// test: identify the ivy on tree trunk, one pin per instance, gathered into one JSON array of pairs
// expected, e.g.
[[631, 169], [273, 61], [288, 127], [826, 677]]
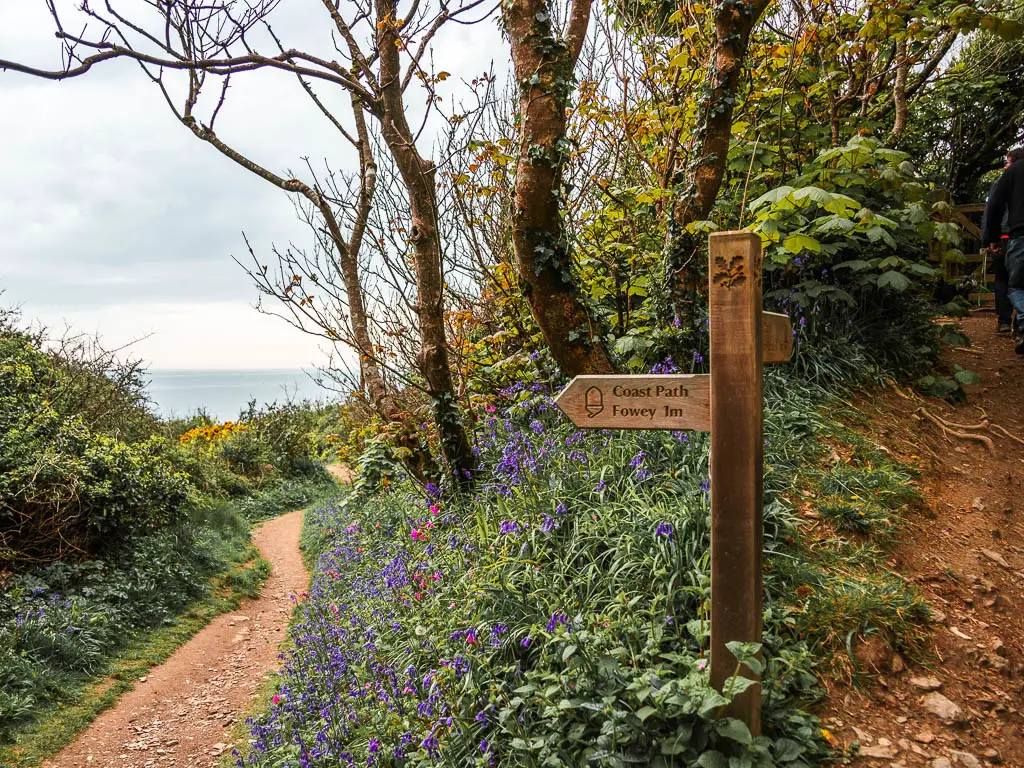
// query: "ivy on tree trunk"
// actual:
[[702, 179], [544, 63]]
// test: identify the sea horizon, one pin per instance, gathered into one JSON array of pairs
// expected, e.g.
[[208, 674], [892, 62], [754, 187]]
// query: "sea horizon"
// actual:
[[224, 393]]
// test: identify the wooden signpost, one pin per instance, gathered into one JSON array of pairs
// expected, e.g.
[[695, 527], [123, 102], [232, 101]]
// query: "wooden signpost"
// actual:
[[728, 402], [639, 402]]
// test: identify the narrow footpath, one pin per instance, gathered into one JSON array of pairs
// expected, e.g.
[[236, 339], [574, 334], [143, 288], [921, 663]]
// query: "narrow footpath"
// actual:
[[182, 712], [961, 703]]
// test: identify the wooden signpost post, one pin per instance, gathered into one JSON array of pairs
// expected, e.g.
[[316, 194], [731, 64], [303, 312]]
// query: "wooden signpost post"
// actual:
[[728, 403]]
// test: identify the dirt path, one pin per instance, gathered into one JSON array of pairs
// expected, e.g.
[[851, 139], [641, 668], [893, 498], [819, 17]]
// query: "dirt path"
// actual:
[[965, 552], [181, 713], [341, 473]]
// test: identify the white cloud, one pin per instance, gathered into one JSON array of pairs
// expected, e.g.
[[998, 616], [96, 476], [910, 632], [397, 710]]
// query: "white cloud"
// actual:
[[114, 218], [207, 335]]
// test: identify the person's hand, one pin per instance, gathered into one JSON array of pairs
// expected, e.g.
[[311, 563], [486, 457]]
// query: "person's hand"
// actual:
[[995, 249]]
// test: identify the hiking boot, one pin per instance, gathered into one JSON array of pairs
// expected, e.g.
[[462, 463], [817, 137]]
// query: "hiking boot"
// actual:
[[1019, 348], [1003, 327]]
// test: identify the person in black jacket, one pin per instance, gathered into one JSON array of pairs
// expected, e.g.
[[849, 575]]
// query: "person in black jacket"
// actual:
[[1004, 211], [1004, 309]]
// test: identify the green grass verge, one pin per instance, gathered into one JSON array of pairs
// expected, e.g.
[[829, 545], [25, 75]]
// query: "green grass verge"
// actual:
[[842, 591], [58, 725]]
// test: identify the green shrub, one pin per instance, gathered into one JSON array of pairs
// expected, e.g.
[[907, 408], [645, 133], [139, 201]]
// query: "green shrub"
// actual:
[[289, 434], [60, 623], [286, 495], [66, 488]]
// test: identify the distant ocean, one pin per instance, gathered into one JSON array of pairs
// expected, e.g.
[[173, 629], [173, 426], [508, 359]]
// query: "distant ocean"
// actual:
[[225, 394]]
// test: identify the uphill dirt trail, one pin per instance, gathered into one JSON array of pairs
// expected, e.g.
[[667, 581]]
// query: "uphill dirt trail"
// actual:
[[962, 704], [182, 712]]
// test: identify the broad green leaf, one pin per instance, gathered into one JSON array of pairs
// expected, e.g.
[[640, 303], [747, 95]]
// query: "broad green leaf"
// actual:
[[680, 60], [921, 269], [798, 243], [1010, 29], [737, 684], [644, 712], [897, 281], [833, 224], [857, 265], [713, 701], [712, 759], [817, 194], [841, 204], [787, 750], [734, 729], [627, 345], [965, 376], [772, 196], [876, 234], [677, 743]]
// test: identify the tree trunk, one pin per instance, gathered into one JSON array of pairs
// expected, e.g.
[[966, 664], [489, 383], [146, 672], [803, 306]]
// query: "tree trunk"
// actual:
[[544, 69], [899, 91], [418, 177], [418, 461], [417, 458], [684, 273], [733, 25]]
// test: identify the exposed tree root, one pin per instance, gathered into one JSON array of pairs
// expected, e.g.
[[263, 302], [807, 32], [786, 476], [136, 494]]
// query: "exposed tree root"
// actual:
[[983, 424], [900, 392], [948, 430], [1005, 432], [995, 429]]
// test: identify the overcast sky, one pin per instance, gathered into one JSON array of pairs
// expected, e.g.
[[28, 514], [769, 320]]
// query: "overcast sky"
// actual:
[[115, 219]]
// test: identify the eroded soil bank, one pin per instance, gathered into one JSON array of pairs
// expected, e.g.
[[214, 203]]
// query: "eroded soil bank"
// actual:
[[965, 552]]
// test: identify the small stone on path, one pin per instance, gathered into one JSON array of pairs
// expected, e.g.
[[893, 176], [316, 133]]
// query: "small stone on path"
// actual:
[[995, 557], [942, 707], [883, 753], [863, 736], [926, 683], [966, 760]]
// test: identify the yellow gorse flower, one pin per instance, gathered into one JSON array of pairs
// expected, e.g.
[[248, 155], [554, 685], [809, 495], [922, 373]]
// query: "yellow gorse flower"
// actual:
[[212, 433]]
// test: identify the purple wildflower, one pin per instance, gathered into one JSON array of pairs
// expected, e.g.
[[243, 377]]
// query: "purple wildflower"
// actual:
[[557, 618]]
